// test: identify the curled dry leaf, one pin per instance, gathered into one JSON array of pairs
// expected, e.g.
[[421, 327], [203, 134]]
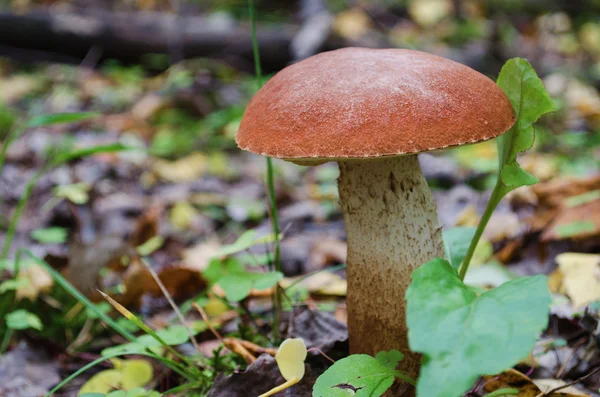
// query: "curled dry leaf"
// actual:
[[526, 386]]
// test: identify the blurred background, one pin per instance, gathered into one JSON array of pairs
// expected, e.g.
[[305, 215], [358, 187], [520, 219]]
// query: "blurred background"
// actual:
[[172, 79]]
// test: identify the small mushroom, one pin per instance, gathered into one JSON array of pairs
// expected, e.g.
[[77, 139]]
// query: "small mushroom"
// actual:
[[373, 111]]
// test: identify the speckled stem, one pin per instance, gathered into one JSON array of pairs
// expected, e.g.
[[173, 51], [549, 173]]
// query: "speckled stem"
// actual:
[[392, 228]]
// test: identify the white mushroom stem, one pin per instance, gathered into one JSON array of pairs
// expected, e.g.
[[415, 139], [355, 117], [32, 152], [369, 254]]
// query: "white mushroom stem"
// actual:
[[392, 228]]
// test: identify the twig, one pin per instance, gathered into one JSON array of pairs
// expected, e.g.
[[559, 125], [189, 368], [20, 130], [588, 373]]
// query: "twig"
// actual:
[[172, 303], [564, 364], [549, 393], [205, 319], [232, 344], [256, 348]]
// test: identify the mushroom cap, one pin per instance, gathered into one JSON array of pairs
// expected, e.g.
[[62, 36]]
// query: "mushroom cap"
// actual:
[[357, 103]]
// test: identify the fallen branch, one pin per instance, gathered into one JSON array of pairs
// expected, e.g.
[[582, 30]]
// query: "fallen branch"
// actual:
[[128, 36]]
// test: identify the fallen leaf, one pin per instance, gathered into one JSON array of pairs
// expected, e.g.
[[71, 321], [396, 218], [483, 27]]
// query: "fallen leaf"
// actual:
[[182, 215], [527, 387], [290, 358], [323, 283], [127, 374], [199, 256], [352, 24], [149, 105], [36, 279], [429, 12], [318, 329], [186, 169], [262, 375], [581, 277]]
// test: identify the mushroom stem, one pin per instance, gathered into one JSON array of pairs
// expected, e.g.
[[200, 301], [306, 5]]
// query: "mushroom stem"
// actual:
[[392, 228]]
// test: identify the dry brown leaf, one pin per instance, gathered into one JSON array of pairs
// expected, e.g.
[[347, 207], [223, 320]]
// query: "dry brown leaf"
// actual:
[[554, 214], [552, 194], [581, 277], [126, 123], [323, 283], [38, 280], [582, 221], [198, 256], [146, 226], [181, 282], [149, 105], [546, 385], [327, 251], [527, 387]]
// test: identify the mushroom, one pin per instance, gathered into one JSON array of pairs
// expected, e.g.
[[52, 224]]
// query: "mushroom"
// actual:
[[373, 111]]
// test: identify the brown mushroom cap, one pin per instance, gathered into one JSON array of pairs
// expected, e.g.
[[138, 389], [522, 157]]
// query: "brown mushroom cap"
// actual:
[[359, 102]]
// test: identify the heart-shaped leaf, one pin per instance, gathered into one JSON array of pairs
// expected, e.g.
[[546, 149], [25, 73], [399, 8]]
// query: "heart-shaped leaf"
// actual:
[[290, 358], [359, 375], [463, 335]]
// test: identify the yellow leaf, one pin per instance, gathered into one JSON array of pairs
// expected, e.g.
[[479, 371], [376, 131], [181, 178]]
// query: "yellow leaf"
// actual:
[[103, 382], [120, 308], [352, 23], [429, 12], [581, 277], [290, 358], [135, 373], [182, 215], [38, 281], [185, 169], [127, 375]]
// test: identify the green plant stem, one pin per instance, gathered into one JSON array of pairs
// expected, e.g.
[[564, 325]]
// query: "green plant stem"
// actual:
[[14, 220], [14, 133], [503, 392], [270, 179], [485, 218], [6, 340]]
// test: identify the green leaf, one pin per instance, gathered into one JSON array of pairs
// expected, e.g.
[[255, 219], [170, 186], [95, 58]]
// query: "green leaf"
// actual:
[[530, 100], [456, 243], [22, 319], [77, 193], [60, 118], [172, 336], [390, 359], [13, 284], [358, 375], [463, 335], [233, 278], [576, 228], [151, 245], [89, 151], [51, 235], [583, 198], [245, 241], [237, 285]]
